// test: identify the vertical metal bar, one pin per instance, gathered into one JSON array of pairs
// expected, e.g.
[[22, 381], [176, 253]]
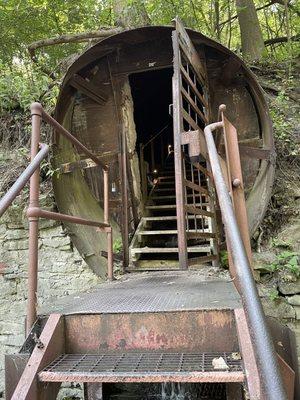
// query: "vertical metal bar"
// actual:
[[110, 265], [106, 221], [152, 156], [143, 173], [162, 158], [36, 114], [106, 196], [125, 204], [236, 183], [177, 126]]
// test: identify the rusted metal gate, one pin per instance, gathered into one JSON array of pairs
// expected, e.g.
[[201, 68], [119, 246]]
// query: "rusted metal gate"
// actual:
[[192, 175]]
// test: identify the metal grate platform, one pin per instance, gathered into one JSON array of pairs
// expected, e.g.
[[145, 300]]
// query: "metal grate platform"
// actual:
[[158, 292], [144, 367]]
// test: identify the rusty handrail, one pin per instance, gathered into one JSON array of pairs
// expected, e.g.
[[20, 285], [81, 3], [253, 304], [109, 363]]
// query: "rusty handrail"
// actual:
[[37, 109], [268, 367], [38, 153], [16, 188], [34, 212], [155, 136]]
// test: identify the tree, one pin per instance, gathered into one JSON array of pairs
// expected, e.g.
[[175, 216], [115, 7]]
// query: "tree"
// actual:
[[253, 46]]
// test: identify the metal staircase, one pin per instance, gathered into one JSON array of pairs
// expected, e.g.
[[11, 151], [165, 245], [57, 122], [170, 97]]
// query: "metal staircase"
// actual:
[[155, 244]]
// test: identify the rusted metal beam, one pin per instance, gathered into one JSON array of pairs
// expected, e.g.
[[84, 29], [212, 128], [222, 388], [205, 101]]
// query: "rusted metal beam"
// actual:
[[236, 181], [53, 344], [247, 351], [195, 187], [36, 212], [288, 376], [64, 132], [88, 89], [14, 367]]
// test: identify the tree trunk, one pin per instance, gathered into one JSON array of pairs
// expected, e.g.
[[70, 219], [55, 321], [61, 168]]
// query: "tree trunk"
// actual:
[[253, 46], [130, 15]]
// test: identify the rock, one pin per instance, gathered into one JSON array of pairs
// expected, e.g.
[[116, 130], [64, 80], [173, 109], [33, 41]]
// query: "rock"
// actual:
[[289, 287], [297, 309], [57, 242], [267, 290], [291, 234], [294, 300], [278, 308], [16, 245], [16, 234], [261, 261]]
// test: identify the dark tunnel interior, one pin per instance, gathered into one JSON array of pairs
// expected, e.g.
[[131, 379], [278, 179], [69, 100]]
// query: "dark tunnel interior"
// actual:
[[152, 96]]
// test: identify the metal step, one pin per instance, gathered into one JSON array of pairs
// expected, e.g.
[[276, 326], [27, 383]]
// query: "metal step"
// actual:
[[169, 218], [169, 206], [144, 367], [157, 250], [174, 197], [205, 235]]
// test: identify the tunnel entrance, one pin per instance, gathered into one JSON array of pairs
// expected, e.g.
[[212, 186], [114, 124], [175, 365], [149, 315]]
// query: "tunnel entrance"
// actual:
[[155, 242], [152, 96]]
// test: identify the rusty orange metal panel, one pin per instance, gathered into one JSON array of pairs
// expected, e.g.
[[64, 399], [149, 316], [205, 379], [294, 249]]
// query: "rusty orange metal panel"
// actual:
[[212, 330]]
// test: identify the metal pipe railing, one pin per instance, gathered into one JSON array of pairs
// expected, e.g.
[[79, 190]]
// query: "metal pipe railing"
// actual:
[[268, 367], [34, 212], [16, 188]]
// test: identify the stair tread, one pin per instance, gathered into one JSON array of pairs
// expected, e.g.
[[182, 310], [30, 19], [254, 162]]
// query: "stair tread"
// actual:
[[170, 206], [169, 218], [174, 197], [191, 249], [138, 366], [167, 232]]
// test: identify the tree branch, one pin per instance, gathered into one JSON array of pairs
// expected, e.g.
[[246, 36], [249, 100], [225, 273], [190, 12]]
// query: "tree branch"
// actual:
[[282, 39], [76, 38]]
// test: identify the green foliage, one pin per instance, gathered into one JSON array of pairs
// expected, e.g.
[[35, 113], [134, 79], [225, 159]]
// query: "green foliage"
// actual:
[[273, 295], [23, 22], [117, 245], [286, 261], [224, 259], [22, 84]]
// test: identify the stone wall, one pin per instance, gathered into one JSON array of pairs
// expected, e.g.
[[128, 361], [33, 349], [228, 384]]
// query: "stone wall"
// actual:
[[61, 272]]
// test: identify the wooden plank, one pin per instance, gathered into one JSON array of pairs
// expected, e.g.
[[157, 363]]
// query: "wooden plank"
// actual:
[[53, 342], [195, 187], [198, 211]]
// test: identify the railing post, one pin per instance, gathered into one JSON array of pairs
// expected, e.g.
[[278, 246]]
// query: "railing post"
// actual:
[[110, 272], [36, 114], [235, 178]]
